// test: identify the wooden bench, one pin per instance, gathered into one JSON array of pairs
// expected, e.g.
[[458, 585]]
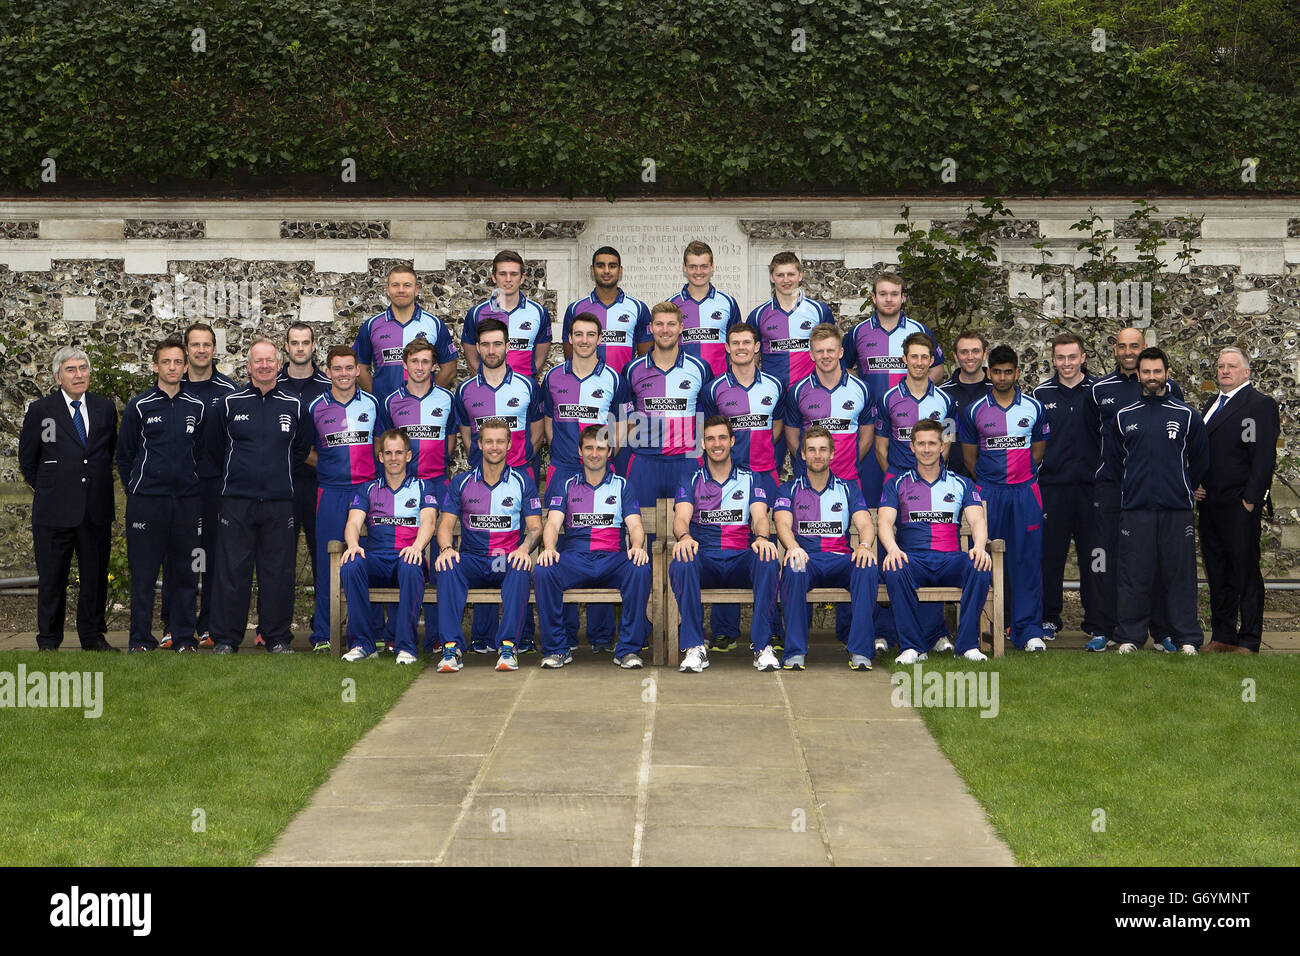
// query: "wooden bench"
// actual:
[[992, 614], [657, 521]]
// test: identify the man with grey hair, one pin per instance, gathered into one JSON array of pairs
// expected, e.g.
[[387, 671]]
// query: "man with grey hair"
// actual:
[[65, 451], [1242, 426], [259, 433]]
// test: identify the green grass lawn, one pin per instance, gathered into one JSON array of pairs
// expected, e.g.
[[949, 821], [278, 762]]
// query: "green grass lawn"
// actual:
[[1187, 773], [244, 739]]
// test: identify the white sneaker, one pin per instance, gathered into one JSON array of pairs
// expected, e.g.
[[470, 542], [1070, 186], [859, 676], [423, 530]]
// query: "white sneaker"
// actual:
[[882, 644], [766, 660], [406, 657], [975, 654], [697, 658], [357, 654], [1035, 644], [942, 644], [910, 656], [1187, 649], [1127, 648]]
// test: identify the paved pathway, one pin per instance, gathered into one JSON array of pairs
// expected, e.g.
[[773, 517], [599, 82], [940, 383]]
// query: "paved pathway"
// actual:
[[593, 765]]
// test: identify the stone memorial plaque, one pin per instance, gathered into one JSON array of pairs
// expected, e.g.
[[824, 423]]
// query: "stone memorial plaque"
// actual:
[[652, 253]]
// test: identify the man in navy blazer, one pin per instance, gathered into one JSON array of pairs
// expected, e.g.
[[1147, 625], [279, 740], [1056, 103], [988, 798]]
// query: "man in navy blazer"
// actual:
[[65, 451], [1242, 426]]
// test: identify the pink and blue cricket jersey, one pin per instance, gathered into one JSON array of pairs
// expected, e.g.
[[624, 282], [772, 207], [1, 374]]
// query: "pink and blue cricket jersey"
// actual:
[[705, 324], [785, 336], [344, 435], [491, 516], [515, 401], [624, 325], [594, 516], [879, 354], [821, 519], [929, 515], [1005, 436], [751, 412], [720, 521], [382, 338], [572, 403], [394, 513], [898, 411], [841, 410], [529, 325], [430, 423], [665, 404]]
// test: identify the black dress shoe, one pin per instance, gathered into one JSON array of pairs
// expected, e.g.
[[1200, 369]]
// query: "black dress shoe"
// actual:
[[101, 645], [224, 649]]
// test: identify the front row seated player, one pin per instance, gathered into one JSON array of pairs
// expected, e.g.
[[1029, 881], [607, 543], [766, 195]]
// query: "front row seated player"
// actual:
[[813, 516], [500, 521], [593, 507], [920, 517], [400, 510], [712, 521]]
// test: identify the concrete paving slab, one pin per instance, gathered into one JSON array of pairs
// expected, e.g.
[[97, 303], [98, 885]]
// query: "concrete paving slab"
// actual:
[[535, 852], [585, 729], [725, 796], [732, 846], [532, 817], [420, 736], [924, 856], [856, 818], [371, 781], [375, 835], [715, 737], [562, 768], [720, 685]]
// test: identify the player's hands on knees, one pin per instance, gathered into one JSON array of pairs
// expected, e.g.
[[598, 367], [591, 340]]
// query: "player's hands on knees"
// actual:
[[863, 556], [764, 548], [980, 558], [548, 557], [638, 556], [520, 560], [796, 558], [685, 549], [350, 553], [894, 560], [411, 554], [446, 559]]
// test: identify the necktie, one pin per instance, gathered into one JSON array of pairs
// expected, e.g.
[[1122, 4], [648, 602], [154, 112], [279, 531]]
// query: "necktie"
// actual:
[[77, 420], [1214, 411]]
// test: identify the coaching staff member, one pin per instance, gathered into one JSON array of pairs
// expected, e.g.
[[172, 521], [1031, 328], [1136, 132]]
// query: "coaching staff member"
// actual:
[[65, 451], [1156, 449], [1242, 427], [161, 429], [259, 434]]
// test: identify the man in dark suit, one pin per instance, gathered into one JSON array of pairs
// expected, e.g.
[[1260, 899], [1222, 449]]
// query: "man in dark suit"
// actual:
[[1242, 426], [66, 452]]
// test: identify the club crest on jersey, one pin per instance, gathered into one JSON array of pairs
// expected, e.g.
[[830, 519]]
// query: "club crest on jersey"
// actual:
[[286, 422], [849, 405], [512, 403], [525, 325], [409, 503], [1171, 429], [805, 325], [363, 417], [507, 502], [598, 393], [767, 400], [716, 315], [738, 494], [838, 506], [1023, 423], [950, 497], [684, 384], [611, 500]]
